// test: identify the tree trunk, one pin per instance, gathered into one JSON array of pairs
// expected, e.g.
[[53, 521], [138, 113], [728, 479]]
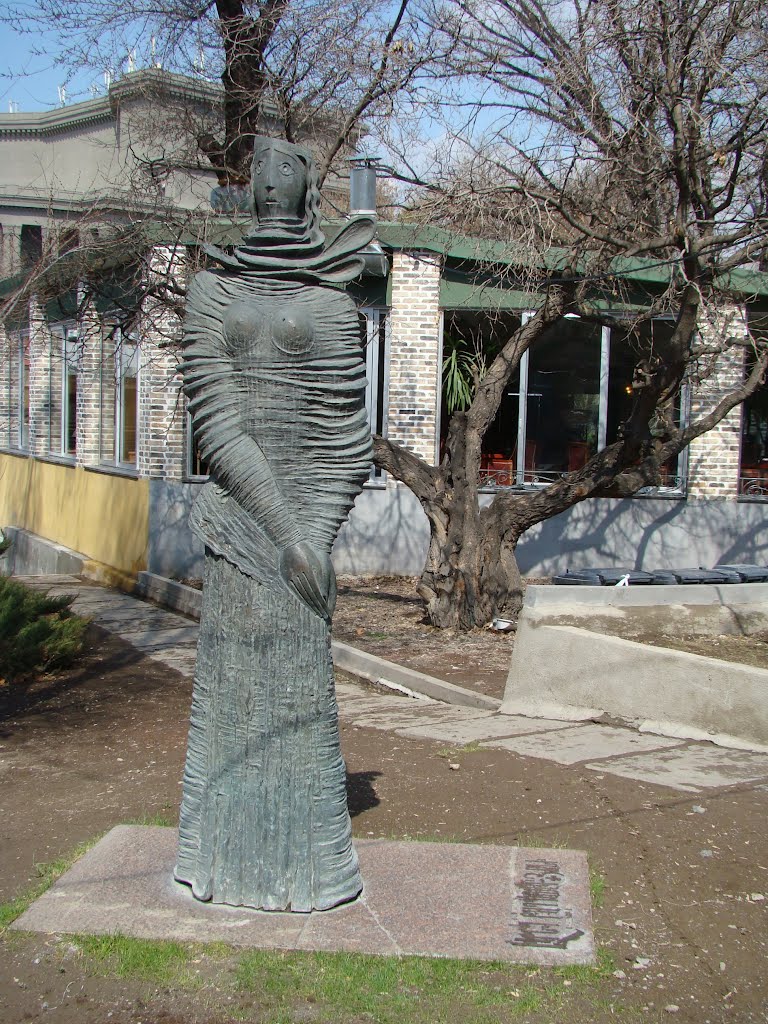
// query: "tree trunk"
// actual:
[[468, 585], [471, 574]]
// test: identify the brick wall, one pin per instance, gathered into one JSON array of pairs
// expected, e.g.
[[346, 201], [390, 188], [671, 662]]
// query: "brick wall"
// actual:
[[88, 401], [19, 345], [161, 403], [161, 412], [714, 458], [5, 388], [415, 353], [39, 381]]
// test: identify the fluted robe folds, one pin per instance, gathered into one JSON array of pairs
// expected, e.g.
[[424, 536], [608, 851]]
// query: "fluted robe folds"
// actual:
[[276, 379]]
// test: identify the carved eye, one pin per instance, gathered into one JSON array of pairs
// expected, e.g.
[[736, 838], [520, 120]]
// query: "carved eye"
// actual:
[[286, 169], [259, 166]]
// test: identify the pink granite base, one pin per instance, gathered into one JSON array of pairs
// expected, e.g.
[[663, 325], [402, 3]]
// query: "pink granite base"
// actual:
[[422, 899]]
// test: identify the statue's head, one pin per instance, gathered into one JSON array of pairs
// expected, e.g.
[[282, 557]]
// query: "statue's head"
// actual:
[[281, 182], [285, 206]]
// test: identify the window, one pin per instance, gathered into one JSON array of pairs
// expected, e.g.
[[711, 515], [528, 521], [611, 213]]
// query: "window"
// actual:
[[195, 467], [562, 399], [127, 401], [22, 389], [753, 473], [69, 239], [119, 399], [61, 404], [69, 364], [31, 244], [627, 350], [375, 338], [568, 398]]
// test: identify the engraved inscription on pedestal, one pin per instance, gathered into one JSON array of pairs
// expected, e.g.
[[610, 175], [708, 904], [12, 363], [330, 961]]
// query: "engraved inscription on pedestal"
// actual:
[[544, 917]]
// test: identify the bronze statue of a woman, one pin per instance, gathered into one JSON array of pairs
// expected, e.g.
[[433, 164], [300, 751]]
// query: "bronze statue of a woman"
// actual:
[[274, 371]]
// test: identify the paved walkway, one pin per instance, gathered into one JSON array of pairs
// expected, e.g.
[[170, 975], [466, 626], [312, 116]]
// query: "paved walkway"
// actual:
[[610, 750]]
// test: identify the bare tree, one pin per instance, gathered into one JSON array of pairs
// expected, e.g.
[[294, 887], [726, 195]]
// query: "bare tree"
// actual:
[[610, 135], [317, 71], [216, 74], [587, 135]]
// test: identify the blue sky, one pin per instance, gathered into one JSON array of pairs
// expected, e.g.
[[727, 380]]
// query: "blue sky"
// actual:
[[33, 81]]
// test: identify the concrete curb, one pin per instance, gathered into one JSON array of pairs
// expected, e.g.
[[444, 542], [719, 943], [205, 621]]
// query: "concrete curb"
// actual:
[[377, 670], [345, 657], [30, 555], [169, 593]]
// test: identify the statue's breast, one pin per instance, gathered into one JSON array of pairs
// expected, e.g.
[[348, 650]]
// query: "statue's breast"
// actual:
[[259, 331]]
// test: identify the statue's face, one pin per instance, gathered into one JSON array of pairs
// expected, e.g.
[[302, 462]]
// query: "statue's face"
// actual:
[[279, 182]]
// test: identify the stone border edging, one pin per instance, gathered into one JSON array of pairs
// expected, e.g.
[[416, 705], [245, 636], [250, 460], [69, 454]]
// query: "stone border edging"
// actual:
[[345, 657], [377, 670]]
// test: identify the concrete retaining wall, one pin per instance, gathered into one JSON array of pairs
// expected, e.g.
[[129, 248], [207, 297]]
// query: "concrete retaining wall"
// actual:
[[563, 666], [387, 533], [30, 555]]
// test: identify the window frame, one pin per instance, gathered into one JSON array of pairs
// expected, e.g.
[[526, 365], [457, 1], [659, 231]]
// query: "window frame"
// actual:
[[526, 479], [377, 343], [70, 347], [23, 406]]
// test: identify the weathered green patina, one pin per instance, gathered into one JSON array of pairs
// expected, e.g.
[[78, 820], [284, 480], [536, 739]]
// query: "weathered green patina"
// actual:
[[274, 371]]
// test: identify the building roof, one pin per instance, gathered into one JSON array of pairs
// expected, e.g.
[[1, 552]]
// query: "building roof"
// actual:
[[134, 85], [477, 274]]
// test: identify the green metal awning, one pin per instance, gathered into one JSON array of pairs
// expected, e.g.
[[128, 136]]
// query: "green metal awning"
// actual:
[[457, 294]]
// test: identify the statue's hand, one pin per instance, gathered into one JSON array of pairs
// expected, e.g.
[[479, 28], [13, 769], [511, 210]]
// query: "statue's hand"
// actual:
[[310, 577]]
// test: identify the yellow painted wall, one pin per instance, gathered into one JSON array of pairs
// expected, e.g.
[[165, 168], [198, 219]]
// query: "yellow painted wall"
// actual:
[[102, 516]]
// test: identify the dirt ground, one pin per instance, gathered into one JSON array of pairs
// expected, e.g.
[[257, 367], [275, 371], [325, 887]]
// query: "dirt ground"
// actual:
[[384, 616], [684, 911]]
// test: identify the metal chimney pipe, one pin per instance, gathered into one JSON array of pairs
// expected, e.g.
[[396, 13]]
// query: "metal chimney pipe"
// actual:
[[362, 189], [362, 203]]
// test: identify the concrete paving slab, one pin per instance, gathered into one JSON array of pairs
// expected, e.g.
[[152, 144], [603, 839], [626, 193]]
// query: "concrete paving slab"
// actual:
[[364, 705], [426, 899], [690, 768], [351, 690], [156, 639], [475, 730], [52, 580], [92, 606], [582, 743], [180, 659], [410, 718], [138, 620], [95, 597]]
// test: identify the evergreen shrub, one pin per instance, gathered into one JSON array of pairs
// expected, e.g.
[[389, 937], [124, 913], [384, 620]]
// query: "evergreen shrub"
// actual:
[[38, 633]]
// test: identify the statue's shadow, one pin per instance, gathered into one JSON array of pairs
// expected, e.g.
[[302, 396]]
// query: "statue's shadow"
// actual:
[[361, 794]]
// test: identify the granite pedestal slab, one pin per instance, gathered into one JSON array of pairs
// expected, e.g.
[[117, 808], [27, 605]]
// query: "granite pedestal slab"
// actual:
[[422, 899]]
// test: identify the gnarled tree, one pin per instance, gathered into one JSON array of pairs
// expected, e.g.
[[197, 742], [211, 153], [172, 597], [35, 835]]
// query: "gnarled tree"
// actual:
[[609, 135]]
